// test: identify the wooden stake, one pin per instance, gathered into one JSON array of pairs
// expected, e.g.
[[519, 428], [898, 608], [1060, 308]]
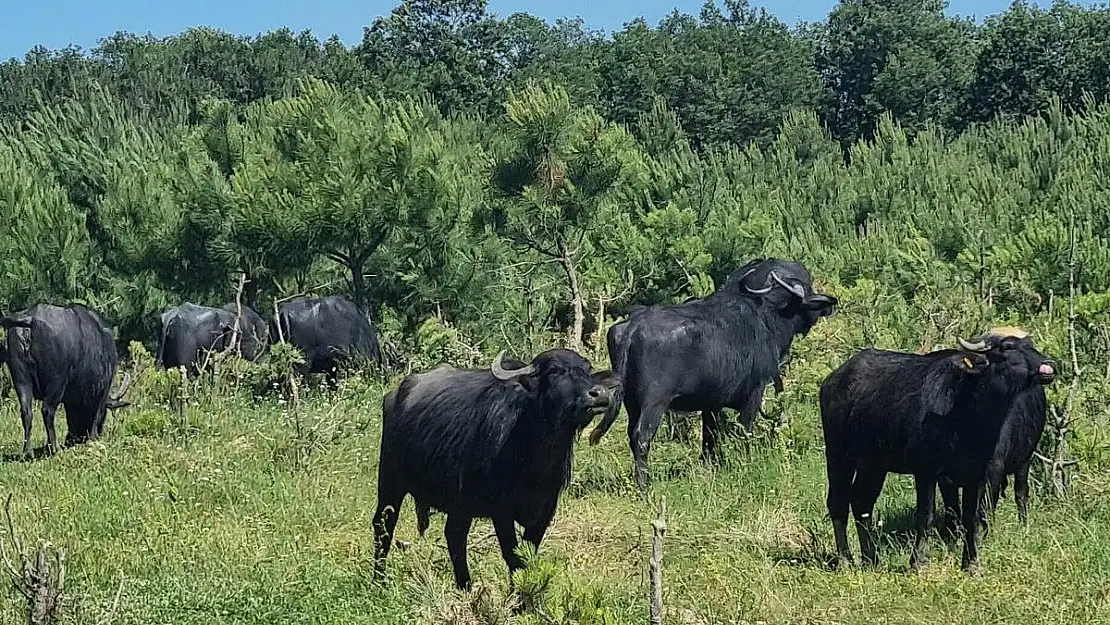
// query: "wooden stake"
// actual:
[[658, 530]]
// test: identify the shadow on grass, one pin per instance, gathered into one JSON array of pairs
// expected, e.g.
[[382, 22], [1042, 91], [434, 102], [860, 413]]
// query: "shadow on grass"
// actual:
[[894, 538], [38, 453]]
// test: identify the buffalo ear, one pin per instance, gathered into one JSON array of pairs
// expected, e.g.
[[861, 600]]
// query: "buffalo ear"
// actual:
[[823, 305], [941, 383], [529, 383]]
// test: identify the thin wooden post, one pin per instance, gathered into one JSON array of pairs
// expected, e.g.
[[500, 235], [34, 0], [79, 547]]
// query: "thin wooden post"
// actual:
[[658, 530]]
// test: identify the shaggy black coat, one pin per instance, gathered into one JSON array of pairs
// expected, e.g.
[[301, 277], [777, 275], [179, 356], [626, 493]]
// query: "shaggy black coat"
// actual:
[[473, 446], [920, 414], [190, 332], [62, 356], [328, 330], [709, 354]]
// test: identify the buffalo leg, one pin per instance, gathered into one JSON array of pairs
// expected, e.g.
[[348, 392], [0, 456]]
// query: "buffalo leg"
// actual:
[[535, 531], [750, 409], [865, 492], [838, 501], [385, 520], [926, 486], [423, 519], [973, 496], [27, 415], [48, 411], [78, 426], [98, 423], [950, 495], [996, 473], [455, 531], [646, 427], [506, 538], [1021, 492], [710, 434]]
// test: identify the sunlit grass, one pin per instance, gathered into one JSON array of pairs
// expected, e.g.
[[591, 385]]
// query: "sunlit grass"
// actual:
[[221, 526]]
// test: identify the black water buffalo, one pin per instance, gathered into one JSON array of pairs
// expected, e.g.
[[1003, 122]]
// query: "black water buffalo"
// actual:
[[491, 443], [190, 332], [1013, 454], [925, 415], [709, 354], [604, 378], [328, 330], [67, 356], [254, 332]]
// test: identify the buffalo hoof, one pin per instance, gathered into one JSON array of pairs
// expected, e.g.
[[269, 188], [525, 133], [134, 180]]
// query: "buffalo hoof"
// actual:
[[973, 569], [842, 562]]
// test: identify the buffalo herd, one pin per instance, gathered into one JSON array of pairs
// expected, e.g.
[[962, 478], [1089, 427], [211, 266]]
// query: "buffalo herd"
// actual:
[[497, 442]]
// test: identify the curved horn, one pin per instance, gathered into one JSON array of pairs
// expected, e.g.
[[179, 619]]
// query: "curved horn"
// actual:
[[123, 386], [757, 291], [748, 272], [501, 373], [796, 289], [981, 346]]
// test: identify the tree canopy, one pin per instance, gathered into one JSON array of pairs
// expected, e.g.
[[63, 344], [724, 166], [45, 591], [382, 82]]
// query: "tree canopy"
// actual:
[[509, 176]]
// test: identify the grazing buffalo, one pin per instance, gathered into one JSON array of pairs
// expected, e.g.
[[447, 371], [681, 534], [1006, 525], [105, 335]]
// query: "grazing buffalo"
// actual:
[[709, 354], [254, 332], [926, 415], [67, 356], [1013, 454], [328, 330], [191, 332], [491, 443]]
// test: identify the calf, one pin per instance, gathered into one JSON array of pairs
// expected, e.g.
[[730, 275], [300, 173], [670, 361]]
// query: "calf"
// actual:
[[1013, 454], [67, 356], [491, 443], [925, 415]]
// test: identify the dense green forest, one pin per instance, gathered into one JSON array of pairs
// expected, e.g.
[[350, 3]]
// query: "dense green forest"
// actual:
[[479, 182], [508, 173]]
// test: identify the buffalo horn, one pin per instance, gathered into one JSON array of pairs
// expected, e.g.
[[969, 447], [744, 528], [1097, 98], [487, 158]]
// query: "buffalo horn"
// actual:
[[747, 273], [796, 289], [123, 386], [501, 373], [981, 346]]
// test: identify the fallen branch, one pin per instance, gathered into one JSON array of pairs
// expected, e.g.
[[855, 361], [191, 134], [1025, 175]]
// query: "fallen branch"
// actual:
[[41, 583]]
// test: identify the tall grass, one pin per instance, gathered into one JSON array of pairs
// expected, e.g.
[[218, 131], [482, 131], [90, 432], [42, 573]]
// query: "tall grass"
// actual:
[[217, 524]]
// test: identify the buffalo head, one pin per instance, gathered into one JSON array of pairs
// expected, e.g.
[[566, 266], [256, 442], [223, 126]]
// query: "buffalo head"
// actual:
[[786, 285], [561, 381], [1004, 359], [1010, 354]]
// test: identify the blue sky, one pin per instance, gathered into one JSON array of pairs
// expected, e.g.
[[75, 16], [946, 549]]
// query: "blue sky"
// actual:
[[57, 23]]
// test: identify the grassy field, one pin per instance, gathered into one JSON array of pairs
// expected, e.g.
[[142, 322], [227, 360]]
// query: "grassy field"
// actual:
[[233, 517]]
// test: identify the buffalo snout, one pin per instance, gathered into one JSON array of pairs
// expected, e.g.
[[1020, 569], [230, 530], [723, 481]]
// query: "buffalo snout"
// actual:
[[1046, 373], [601, 393]]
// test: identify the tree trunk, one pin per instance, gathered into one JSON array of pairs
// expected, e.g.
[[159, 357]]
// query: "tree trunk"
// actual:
[[358, 282], [577, 299]]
